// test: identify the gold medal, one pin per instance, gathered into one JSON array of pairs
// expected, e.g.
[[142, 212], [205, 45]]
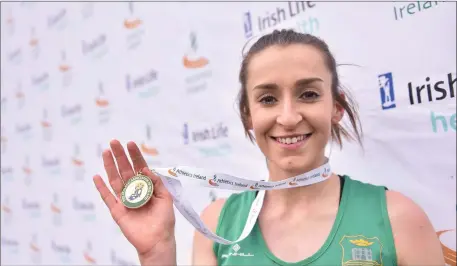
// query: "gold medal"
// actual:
[[137, 191]]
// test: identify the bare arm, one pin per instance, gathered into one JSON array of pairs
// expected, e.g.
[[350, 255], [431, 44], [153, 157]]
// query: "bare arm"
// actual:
[[203, 253], [415, 238]]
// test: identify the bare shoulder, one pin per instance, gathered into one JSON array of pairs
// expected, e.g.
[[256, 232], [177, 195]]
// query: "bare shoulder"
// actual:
[[203, 253], [210, 215], [415, 238]]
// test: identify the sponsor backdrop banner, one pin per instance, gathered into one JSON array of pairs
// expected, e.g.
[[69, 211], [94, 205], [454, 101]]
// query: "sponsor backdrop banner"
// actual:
[[76, 75]]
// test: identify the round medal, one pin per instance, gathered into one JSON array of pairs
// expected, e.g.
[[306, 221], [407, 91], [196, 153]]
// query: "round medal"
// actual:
[[137, 191]]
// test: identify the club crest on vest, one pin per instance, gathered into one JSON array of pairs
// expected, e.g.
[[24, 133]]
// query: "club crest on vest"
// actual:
[[361, 251]]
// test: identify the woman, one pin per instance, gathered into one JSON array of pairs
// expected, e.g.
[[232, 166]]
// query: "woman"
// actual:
[[291, 105]]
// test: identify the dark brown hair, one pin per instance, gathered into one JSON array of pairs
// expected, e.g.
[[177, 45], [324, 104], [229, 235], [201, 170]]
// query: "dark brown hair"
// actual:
[[340, 94]]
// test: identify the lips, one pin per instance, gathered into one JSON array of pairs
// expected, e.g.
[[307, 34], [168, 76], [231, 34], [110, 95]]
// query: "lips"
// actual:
[[292, 139]]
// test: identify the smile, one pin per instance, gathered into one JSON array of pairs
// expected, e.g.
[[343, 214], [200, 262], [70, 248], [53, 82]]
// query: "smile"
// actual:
[[292, 139]]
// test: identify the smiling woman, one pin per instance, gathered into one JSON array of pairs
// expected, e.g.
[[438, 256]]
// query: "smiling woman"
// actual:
[[291, 106]]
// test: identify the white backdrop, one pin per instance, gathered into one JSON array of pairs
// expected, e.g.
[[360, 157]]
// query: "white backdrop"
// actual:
[[76, 75]]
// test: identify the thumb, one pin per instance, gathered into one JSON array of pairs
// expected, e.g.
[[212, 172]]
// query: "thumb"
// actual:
[[160, 190]]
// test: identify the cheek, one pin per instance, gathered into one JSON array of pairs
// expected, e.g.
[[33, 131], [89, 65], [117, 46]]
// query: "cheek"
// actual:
[[321, 119], [262, 121]]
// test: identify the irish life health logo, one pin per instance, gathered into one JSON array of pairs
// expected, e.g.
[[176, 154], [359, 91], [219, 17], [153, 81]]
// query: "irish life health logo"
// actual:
[[262, 23], [196, 67], [95, 47], [144, 85], [210, 141], [422, 91]]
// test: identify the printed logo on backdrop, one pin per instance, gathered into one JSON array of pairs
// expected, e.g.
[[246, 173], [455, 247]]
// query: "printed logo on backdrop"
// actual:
[[7, 211], [210, 141], [34, 44], [87, 10], [386, 89], [40, 81], [46, 126], [27, 171], [51, 165], [422, 92], [34, 250], [84, 209], [14, 56], [150, 153], [197, 69], [100, 148], [143, 85], [448, 245], [65, 70], [61, 251], [95, 47], [58, 20], [3, 103], [88, 254], [7, 173], [116, 260], [10, 22], [404, 10], [24, 131], [78, 164], [56, 211], [20, 96], [9, 245], [31, 208], [134, 29], [4, 141], [103, 105], [72, 113], [260, 24]]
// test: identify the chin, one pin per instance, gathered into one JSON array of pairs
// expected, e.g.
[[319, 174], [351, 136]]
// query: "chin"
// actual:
[[295, 164]]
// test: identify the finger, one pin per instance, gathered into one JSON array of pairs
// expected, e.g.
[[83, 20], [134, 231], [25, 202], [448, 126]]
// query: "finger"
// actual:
[[160, 190], [111, 170], [137, 158], [125, 169], [109, 199]]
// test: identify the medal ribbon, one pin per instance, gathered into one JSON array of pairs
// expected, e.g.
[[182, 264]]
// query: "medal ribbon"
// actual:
[[171, 177]]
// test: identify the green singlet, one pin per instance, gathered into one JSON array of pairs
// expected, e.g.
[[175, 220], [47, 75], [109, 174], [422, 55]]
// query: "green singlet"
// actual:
[[361, 234]]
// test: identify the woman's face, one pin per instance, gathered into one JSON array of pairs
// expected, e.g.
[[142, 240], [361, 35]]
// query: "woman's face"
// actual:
[[291, 105]]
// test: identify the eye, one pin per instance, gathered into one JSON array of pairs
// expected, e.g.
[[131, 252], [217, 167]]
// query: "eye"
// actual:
[[310, 95], [268, 99]]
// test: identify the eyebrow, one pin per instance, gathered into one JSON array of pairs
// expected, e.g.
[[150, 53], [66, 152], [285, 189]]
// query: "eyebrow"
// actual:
[[298, 83]]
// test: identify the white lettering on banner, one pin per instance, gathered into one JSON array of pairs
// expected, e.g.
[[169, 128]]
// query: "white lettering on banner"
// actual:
[[173, 183]]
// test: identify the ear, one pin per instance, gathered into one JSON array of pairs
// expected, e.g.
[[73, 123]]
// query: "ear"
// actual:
[[338, 110]]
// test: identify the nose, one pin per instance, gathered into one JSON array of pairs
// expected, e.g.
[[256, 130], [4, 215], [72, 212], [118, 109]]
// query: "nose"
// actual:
[[289, 116]]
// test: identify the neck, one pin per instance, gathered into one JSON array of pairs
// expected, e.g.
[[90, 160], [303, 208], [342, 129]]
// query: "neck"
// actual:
[[300, 197]]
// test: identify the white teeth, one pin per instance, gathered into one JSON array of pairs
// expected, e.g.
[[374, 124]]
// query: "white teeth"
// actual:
[[291, 140]]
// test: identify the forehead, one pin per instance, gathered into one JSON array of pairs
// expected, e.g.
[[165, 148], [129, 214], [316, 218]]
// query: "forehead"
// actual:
[[286, 64]]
